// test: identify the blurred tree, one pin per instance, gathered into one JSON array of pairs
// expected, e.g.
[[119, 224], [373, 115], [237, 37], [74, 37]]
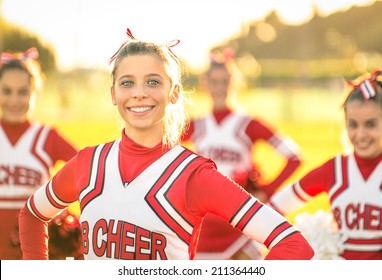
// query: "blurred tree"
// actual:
[[340, 44], [16, 39]]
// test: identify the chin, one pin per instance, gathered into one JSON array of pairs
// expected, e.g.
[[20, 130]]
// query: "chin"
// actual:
[[366, 154]]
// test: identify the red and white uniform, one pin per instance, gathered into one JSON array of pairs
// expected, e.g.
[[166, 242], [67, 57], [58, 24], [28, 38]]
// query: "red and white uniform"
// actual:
[[228, 138], [144, 203], [28, 151], [354, 187]]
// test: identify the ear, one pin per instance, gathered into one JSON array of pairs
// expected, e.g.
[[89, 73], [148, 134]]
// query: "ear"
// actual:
[[175, 94], [112, 93]]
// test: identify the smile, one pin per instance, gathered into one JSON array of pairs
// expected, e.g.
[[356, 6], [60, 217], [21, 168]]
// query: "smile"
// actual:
[[140, 109]]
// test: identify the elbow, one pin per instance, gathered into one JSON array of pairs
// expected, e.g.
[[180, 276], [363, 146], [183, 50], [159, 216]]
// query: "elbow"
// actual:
[[293, 247], [309, 251], [306, 250]]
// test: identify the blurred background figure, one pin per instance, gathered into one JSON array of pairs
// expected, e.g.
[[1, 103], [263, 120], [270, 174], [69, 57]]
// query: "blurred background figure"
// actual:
[[29, 150], [228, 137], [353, 181]]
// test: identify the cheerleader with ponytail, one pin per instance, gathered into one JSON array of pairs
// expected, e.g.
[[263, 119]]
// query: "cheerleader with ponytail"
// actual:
[[353, 180], [228, 137]]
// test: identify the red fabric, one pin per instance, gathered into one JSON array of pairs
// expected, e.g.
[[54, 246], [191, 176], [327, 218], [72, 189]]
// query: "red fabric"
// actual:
[[9, 235], [287, 248], [34, 233], [366, 166], [14, 131], [319, 180]]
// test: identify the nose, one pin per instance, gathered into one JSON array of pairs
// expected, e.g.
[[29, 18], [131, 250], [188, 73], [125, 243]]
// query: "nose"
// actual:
[[139, 91], [361, 132], [13, 99]]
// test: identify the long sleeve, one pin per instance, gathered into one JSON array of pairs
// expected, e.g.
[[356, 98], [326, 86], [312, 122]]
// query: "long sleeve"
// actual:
[[33, 236], [58, 147], [244, 212], [283, 145], [42, 206], [294, 196], [294, 247]]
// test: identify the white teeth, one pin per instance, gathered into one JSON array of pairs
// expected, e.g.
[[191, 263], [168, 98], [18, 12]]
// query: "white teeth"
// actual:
[[139, 109]]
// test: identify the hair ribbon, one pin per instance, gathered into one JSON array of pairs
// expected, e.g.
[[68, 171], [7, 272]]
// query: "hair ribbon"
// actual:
[[367, 86], [6, 57], [129, 34]]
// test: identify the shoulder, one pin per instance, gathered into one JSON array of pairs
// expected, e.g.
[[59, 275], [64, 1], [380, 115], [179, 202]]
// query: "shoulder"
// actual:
[[335, 160], [198, 157], [49, 129], [96, 150], [327, 166]]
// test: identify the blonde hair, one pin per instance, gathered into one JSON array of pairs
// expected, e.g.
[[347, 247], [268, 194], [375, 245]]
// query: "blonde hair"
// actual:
[[176, 117]]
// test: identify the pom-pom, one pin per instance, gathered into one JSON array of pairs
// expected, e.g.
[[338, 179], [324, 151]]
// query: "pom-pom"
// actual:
[[322, 233], [65, 240]]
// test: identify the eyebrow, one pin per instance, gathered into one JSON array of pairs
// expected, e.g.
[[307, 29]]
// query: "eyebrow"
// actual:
[[372, 119], [150, 75]]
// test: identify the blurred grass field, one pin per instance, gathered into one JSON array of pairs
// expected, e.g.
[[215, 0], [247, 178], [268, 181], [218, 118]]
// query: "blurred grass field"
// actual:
[[311, 117]]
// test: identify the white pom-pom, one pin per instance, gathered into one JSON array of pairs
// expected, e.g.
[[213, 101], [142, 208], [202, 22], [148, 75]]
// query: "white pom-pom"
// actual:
[[322, 233]]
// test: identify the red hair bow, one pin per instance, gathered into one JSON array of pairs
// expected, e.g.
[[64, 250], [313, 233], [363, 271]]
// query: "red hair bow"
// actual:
[[129, 34], [367, 86], [30, 53]]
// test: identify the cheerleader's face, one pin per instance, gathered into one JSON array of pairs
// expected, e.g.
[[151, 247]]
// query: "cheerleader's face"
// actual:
[[364, 126], [15, 95], [219, 81], [141, 91]]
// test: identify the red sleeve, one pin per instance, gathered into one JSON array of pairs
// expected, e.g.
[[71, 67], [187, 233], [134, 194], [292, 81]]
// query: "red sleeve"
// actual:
[[205, 197], [58, 147], [33, 232], [33, 235], [64, 182], [257, 130], [294, 247], [319, 179]]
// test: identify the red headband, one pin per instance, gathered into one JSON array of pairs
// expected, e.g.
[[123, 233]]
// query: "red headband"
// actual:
[[6, 58], [170, 44]]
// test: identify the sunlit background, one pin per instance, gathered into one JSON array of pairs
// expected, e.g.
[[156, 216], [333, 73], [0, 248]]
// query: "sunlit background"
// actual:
[[87, 32], [295, 90]]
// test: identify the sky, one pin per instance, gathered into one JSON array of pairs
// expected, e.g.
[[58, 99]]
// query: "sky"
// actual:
[[85, 33]]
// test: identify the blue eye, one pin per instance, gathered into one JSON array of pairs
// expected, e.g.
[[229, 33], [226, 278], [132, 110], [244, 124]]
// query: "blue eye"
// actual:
[[126, 83], [153, 82]]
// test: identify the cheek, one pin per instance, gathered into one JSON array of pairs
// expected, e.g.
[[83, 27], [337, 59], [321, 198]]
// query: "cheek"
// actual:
[[377, 134], [351, 133], [26, 100]]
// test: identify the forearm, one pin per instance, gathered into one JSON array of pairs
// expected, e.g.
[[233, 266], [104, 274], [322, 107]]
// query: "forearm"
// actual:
[[33, 236], [293, 247]]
